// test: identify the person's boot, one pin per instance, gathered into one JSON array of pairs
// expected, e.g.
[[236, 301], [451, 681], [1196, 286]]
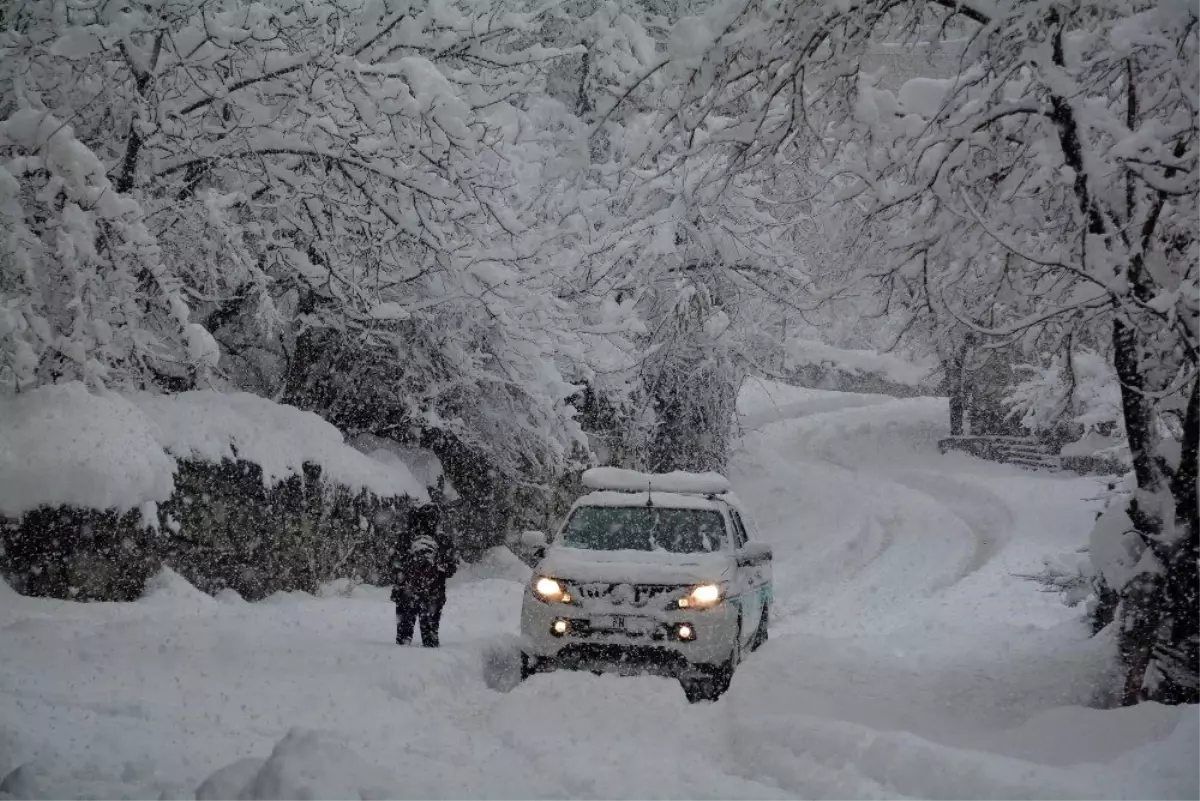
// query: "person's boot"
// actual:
[[405, 628]]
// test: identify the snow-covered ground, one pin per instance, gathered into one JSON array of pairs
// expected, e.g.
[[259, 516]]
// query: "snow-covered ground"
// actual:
[[905, 660]]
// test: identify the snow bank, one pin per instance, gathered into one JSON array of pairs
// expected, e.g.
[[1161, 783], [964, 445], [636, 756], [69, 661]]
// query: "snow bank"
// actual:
[[792, 749], [891, 368], [761, 402], [350, 588], [304, 764], [166, 587], [229, 780], [211, 426], [286, 597], [46, 777], [1167, 768], [229, 596], [1072, 735], [338, 588], [61, 445]]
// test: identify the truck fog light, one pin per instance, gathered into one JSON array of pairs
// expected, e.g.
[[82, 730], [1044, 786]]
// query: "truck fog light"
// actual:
[[559, 627], [685, 632]]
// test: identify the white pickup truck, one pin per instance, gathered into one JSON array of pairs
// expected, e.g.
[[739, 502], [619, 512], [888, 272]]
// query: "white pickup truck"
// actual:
[[649, 573]]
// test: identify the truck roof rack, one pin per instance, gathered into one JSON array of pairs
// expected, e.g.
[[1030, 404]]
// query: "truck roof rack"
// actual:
[[616, 479]]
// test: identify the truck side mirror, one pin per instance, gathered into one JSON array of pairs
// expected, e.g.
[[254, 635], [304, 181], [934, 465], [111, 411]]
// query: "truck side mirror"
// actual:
[[533, 540], [754, 553]]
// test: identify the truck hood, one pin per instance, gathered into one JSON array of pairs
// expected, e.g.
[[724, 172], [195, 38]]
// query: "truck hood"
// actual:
[[635, 567]]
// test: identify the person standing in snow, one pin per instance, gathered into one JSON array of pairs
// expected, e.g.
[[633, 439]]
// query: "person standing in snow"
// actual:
[[423, 560]]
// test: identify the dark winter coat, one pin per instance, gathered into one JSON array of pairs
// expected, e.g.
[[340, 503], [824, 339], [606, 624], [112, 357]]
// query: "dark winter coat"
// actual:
[[423, 558]]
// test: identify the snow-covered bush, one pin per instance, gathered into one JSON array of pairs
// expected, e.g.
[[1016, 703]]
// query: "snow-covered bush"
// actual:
[[1079, 388], [229, 529], [222, 528], [232, 490], [80, 554], [1075, 578]]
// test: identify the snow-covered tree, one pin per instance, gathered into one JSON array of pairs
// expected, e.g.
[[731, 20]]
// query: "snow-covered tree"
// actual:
[[1049, 183], [1078, 388], [333, 182], [85, 293]]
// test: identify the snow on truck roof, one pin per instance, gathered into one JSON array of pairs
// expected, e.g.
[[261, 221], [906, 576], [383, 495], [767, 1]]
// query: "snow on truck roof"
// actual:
[[664, 500], [616, 479]]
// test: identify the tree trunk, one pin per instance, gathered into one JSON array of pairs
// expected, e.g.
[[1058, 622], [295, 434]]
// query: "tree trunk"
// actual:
[[1178, 646], [300, 363], [957, 386], [1143, 601]]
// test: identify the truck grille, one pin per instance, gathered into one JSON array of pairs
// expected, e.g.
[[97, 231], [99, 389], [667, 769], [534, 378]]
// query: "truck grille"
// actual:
[[620, 594]]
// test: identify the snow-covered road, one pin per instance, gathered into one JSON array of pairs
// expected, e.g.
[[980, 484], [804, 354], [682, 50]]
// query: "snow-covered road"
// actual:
[[905, 659]]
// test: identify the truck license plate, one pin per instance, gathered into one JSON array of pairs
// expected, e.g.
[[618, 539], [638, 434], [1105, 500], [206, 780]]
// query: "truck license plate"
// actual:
[[624, 623]]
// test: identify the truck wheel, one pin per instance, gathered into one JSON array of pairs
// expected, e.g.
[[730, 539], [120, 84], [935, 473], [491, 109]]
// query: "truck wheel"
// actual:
[[708, 687], [713, 681], [528, 665]]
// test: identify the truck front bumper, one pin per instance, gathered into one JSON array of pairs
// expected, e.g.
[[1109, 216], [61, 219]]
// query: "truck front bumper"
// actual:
[[570, 637]]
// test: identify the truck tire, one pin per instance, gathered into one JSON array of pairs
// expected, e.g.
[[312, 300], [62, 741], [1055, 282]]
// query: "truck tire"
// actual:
[[529, 665], [714, 680], [709, 687]]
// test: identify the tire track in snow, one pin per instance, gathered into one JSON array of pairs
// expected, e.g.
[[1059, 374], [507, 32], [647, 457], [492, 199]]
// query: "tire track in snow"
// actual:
[[981, 511], [878, 536], [853, 543]]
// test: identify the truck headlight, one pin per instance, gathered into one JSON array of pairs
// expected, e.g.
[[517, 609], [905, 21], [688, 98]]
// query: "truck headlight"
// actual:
[[550, 590], [701, 596]]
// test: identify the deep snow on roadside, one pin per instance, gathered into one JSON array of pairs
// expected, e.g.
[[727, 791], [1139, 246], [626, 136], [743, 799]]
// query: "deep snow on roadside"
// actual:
[[905, 659]]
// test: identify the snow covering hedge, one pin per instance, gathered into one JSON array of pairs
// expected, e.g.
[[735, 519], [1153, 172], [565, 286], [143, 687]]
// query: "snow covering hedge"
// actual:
[[61, 445], [232, 490]]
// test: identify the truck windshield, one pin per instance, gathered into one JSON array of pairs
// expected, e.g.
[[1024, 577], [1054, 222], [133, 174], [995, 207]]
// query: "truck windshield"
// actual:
[[638, 528]]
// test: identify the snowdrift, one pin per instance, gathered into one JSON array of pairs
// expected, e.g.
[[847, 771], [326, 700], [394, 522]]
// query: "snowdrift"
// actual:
[[168, 588]]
